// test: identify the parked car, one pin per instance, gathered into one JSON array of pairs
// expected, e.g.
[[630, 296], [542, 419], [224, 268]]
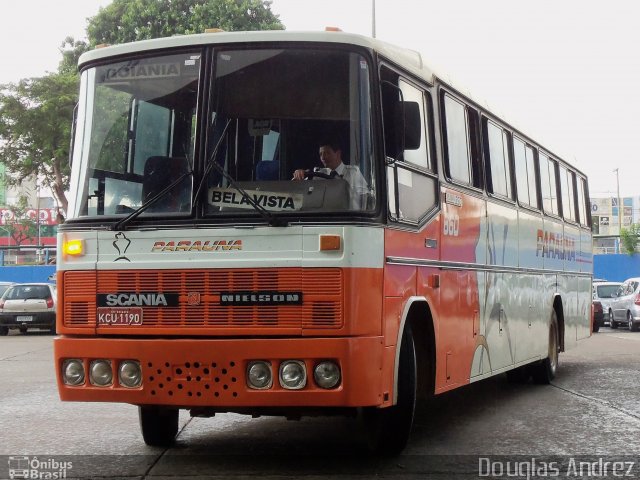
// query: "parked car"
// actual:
[[625, 305], [603, 292], [598, 316], [28, 305], [4, 286]]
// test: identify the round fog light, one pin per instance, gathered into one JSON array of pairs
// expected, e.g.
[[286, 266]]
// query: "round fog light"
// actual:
[[259, 375], [293, 375], [130, 374], [327, 374], [73, 372], [100, 373]]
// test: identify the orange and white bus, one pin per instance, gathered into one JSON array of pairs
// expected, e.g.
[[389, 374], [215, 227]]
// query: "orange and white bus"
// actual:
[[198, 275]]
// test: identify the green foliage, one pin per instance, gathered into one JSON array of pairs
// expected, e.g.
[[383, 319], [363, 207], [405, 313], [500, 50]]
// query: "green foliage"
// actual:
[[35, 124], [629, 238], [129, 20]]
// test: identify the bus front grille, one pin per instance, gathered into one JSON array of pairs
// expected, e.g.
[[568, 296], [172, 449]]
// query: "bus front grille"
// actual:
[[199, 297]]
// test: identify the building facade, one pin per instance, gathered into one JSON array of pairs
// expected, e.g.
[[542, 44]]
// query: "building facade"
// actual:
[[607, 216]]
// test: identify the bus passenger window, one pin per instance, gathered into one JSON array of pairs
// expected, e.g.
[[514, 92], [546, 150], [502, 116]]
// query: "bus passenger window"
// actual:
[[497, 152], [582, 202], [525, 173], [458, 151], [568, 186], [548, 184]]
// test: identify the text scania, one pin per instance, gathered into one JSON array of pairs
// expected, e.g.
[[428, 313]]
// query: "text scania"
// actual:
[[197, 246], [137, 300]]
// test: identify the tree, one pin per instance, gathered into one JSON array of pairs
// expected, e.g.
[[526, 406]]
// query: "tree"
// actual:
[[35, 125], [629, 238], [129, 20]]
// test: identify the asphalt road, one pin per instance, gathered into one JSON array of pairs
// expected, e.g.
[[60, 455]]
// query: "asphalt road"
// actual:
[[591, 413]]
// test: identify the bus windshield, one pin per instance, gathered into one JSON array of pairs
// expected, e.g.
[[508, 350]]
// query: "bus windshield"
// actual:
[[283, 130]]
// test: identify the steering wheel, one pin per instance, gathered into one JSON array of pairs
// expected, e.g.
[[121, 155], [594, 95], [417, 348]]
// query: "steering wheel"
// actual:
[[309, 174]]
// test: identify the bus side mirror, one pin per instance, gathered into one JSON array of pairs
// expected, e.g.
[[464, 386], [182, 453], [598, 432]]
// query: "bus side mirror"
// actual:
[[412, 125]]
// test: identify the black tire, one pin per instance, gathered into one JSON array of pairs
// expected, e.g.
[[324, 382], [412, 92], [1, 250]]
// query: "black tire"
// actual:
[[596, 326], [545, 371], [159, 426], [4, 331], [612, 322], [52, 329], [633, 327], [388, 429]]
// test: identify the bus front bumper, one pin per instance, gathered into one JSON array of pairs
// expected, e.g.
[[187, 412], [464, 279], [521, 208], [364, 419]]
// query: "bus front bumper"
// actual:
[[213, 372]]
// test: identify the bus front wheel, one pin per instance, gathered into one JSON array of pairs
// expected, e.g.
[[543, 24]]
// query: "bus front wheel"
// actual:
[[388, 429], [159, 426]]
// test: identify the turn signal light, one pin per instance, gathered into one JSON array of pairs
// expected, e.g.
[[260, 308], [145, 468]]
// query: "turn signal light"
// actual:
[[330, 242], [73, 247]]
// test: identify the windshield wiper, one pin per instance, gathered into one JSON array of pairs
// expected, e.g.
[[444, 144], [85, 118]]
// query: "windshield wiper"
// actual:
[[119, 225], [273, 220]]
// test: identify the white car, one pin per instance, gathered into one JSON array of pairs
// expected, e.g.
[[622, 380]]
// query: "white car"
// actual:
[[625, 305], [603, 292], [28, 305]]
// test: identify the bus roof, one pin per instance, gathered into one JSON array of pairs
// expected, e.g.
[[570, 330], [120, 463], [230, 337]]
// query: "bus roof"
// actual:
[[406, 58]]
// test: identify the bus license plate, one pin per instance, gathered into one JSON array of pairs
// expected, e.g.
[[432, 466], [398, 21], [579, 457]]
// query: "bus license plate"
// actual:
[[119, 316], [24, 318]]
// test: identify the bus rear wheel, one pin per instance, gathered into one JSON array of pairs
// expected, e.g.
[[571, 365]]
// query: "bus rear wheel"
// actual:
[[545, 371], [159, 426], [388, 429]]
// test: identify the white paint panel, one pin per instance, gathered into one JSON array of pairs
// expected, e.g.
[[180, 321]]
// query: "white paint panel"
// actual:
[[502, 235], [264, 247]]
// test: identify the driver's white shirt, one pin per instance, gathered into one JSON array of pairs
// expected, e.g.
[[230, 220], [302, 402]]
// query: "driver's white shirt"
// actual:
[[352, 175]]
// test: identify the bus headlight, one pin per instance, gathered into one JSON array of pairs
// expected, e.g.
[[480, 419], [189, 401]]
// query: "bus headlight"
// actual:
[[327, 374], [293, 375], [100, 373], [130, 374], [259, 375], [73, 372]]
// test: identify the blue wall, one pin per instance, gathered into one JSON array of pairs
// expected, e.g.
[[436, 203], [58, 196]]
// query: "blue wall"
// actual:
[[27, 274], [616, 268]]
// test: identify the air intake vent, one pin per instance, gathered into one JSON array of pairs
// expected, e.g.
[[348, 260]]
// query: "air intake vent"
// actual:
[[199, 298]]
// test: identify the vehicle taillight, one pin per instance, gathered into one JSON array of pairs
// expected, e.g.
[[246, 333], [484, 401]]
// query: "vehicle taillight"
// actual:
[[49, 302], [636, 301], [597, 306]]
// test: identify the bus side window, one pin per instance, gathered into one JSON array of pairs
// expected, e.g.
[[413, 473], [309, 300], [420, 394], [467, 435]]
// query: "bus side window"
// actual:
[[548, 184], [497, 158], [463, 162], [567, 185], [583, 208], [525, 170]]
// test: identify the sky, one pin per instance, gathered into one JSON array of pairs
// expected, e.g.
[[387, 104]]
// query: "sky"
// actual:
[[565, 72]]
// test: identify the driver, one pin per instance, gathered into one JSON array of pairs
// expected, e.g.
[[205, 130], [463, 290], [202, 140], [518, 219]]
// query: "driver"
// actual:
[[331, 158]]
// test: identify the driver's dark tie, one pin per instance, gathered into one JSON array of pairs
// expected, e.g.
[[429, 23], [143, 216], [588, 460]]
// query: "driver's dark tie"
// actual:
[[334, 174]]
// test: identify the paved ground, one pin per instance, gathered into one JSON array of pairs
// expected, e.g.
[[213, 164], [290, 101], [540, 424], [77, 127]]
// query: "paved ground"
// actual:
[[592, 409]]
